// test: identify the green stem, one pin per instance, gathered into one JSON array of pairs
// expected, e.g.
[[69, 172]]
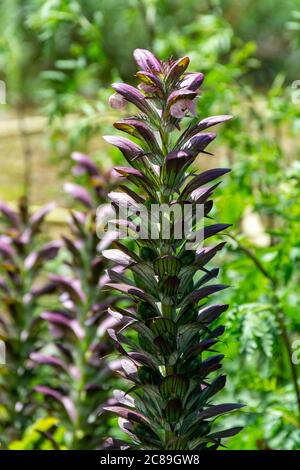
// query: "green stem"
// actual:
[[167, 310]]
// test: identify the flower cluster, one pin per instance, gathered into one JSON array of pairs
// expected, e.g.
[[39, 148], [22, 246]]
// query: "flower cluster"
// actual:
[[157, 78]]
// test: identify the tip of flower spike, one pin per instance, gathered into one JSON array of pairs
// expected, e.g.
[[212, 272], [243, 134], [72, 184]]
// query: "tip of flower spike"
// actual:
[[79, 193], [125, 145], [126, 91], [107, 138], [77, 156], [177, 69], [121, 88], [226, 117], [84, 163], [210, 135], [117, 101], [113, 139], [200, 141], [213, 120], [146, 60], [192, 81]]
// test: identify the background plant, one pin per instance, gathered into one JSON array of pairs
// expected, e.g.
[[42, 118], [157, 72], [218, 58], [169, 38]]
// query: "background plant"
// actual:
[[266, 250], [23, 258], [80, 353]]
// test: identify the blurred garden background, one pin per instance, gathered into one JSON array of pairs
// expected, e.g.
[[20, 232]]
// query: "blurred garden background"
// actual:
[[57, 61]]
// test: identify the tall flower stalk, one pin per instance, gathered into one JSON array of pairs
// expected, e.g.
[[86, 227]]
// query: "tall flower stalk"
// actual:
[[22, 284], [78, 360], [167, 338]]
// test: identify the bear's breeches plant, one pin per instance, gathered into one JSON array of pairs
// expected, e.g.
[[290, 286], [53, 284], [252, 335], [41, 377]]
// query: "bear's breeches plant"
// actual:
[[168, 339]]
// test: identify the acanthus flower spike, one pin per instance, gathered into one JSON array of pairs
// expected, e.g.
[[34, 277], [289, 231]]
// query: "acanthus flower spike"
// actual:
[[166, 338]]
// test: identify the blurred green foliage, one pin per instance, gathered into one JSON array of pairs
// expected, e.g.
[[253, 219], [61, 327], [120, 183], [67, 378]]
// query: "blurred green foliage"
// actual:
[[60, 56]]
